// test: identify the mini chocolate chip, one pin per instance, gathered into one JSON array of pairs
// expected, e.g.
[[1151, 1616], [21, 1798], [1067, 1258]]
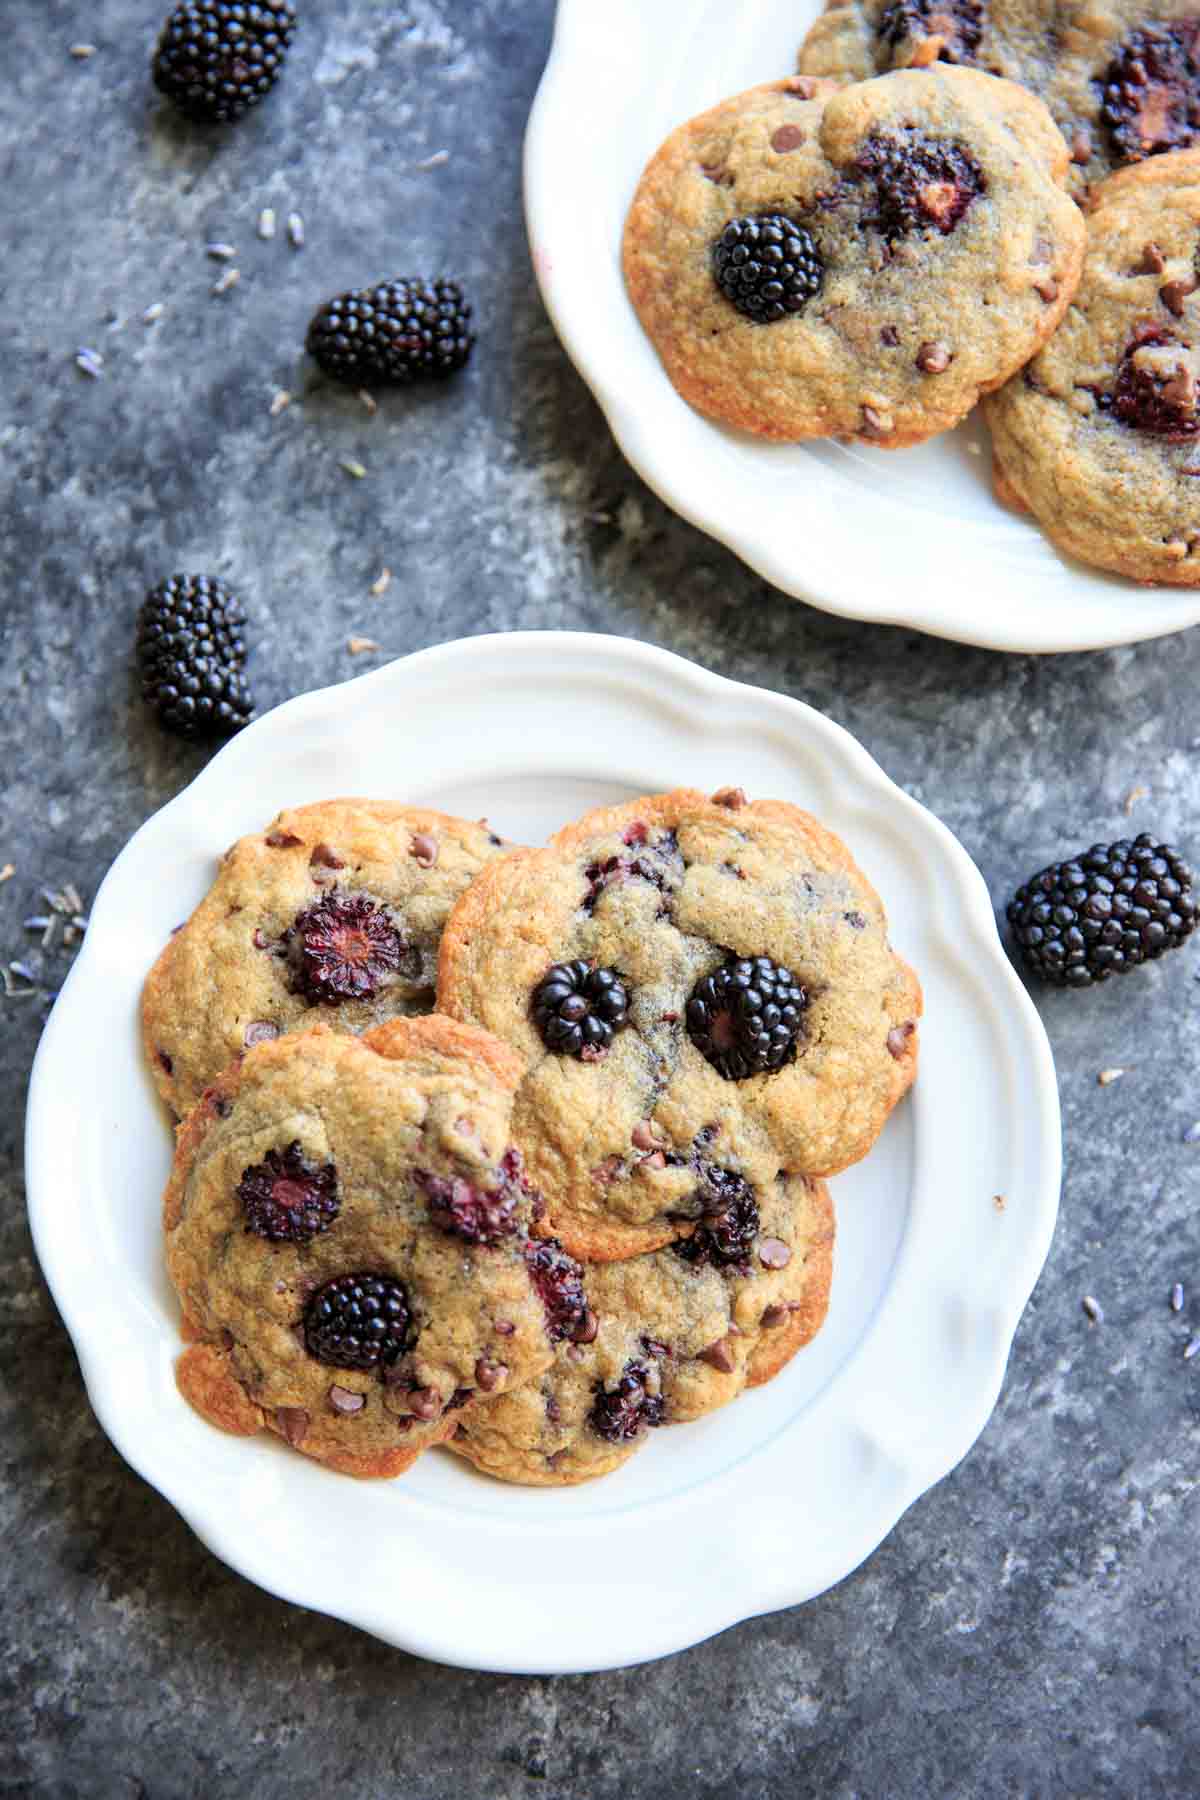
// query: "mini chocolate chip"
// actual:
[[934, 359], [787, 137], [875, 423], [1153, 262], [280, 840], [774, 1316], [890, 336], [898, 1036], [489, 1375], [324, 858], [292, 1423], [1174, 293], [644, 1136], [773, 1253], [801, 85], [424, 850], [656, 1160], [166, 1063], [260, 1031], [719, 1356], [1081, 145], [1047, 291], [425, 1403], [345, 1400], [732, 797], [588, 1326]]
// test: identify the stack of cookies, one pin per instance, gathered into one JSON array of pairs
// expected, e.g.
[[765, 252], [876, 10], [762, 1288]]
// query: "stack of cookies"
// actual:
[[517, 1151], [952, 202]]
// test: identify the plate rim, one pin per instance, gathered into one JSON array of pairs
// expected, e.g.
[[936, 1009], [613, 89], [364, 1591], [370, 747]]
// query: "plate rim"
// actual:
[[1153, 611], [669, 673]]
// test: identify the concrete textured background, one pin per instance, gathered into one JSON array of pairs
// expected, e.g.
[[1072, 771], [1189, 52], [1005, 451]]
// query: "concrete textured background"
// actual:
[[1030, 1626]]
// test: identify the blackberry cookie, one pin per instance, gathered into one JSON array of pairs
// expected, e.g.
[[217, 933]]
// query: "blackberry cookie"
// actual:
[[1121, 77], [347, 1228], [1100, 436], [671, 1336], [858, 263], [704, 993], [331, 915]]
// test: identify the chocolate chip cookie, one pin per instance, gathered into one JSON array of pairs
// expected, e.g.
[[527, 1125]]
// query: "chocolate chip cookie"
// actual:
[[333, 914], [1121, 77], [347, 1228], [1100, 436], [858, 263], [671, 1335], [705, 994]]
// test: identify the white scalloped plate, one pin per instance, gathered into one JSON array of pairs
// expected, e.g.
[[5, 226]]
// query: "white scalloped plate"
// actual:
[[899, 537], [762, 1505]]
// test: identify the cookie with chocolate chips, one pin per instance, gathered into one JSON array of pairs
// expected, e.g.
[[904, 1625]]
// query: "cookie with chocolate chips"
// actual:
[[332, 915], [671, 1336], [861, 262], [704, 993], [1121, 78], [347, 1227], [1100, 436]]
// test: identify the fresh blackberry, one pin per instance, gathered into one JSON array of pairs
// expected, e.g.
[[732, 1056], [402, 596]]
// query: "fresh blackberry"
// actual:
[[1102, 912], [746, 1016], [341, 947], [959, 24], [578, 1007], [404, 330], [767, 266], [919, 182], [288, 1199], [216, 59], [558, 1279], [358, 1321], [477, 1215], [620, 1415], [1151, 90], [191, 654]]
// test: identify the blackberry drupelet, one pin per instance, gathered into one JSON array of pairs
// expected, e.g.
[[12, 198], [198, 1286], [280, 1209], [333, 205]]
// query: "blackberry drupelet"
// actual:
[[767, 266], [620, 1416], [577, 1008], [746, 1016], [341, 947], [288, 1199], [191, 654], [216, 59], [358, 1321], [1103, 912], [400, 331], [1151, 90]]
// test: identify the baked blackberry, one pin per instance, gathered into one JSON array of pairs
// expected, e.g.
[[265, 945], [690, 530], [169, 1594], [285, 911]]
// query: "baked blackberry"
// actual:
[[726, 1235], [477, 1215], [288, 1199], [1155, 389], [746, 1016], [190, 655], [919, 182], [958, 23], [216, 59], [341, 948], [767, 266], [558, 1279], [358, 1321], [621, 1415], [1103, 912], [1151, 90], [578, 1007], [401, 331]]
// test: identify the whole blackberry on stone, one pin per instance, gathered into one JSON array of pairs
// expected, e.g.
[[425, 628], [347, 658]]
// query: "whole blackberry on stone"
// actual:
[[216, 59], [358, 1321], [404, 330], [767, 266], [578, 1007], [191, 654], [1102, 912], [746, 1016]]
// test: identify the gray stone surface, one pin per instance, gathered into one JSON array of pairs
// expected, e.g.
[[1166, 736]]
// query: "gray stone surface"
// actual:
[[1030, 1627]]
